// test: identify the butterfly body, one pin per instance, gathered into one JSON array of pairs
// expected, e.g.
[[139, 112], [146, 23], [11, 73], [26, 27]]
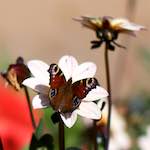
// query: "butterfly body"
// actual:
[[62, 100], [66, 96]]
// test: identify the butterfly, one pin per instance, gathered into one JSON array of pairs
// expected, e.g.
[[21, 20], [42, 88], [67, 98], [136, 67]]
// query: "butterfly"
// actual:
[[66, 96]]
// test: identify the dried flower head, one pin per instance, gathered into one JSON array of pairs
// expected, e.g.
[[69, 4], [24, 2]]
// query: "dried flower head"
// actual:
[[16, 73], [107, 29]]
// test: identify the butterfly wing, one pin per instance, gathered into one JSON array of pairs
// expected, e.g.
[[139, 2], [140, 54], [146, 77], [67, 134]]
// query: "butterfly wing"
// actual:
[[57, 78], [83, 87]]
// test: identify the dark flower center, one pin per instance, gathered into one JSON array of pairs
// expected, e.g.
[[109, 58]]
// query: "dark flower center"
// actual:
[[107, 35]]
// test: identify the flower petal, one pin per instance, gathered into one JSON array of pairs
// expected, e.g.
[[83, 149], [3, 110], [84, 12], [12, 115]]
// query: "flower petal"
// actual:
[[132, 26], [89, 110], [67, 64], [69, 119], [39, 69], [90, 22], [37, 85], [85, 70], [96, 94], [103, 104], [40, 101], [118, 21], [125, 24]]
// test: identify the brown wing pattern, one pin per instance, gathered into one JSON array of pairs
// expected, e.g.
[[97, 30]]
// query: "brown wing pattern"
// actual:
[[57, 78], [83, 87]]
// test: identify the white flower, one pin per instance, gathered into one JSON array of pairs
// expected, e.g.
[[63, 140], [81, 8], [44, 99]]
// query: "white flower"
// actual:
[[70, 68], [144, 141]]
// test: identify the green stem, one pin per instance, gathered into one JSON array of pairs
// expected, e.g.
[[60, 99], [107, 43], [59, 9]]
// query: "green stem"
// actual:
[[30, 107], [109, 97], [61, 135], [95, 135]]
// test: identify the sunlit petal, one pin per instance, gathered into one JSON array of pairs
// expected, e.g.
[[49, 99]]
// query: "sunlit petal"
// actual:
[[40, 101], [85, 70], [39, 69], [96, 94], [89, 110], [69, 119], [37, 85], [103, 104], [132, 26], [68, 64], [90, 22], [118, 21]]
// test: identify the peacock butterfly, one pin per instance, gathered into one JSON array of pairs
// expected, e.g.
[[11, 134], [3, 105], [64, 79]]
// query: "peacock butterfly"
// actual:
[[66, 96]]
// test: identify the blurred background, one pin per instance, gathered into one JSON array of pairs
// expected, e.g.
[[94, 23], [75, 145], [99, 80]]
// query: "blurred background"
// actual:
[[36, 29]]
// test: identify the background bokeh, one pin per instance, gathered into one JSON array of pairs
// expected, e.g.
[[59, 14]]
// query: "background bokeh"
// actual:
[[44, 29]]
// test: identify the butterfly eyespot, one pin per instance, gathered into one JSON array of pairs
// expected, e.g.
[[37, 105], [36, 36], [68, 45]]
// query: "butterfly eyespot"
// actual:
[[89, 82], [55, 69], [76, 101], [52, 93]]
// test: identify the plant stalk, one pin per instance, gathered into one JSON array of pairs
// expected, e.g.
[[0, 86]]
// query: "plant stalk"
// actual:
[[30, 107], [95, 135], [109, 97], [61, 135], [1, 144]]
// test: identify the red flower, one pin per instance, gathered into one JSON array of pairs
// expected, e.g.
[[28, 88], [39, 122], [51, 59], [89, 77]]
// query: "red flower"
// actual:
[[15, 122]]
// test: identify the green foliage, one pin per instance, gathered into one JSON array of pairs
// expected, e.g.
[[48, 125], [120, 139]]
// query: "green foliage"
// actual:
[[72, 135], [39, 129]]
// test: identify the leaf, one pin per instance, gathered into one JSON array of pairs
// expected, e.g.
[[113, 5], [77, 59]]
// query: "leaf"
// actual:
[[39, 129]]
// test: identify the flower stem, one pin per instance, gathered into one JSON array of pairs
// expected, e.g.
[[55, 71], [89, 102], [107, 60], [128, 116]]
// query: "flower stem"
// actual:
[[109, 97], [61, 135], [95, 136], [29, 106], [1, 144]]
